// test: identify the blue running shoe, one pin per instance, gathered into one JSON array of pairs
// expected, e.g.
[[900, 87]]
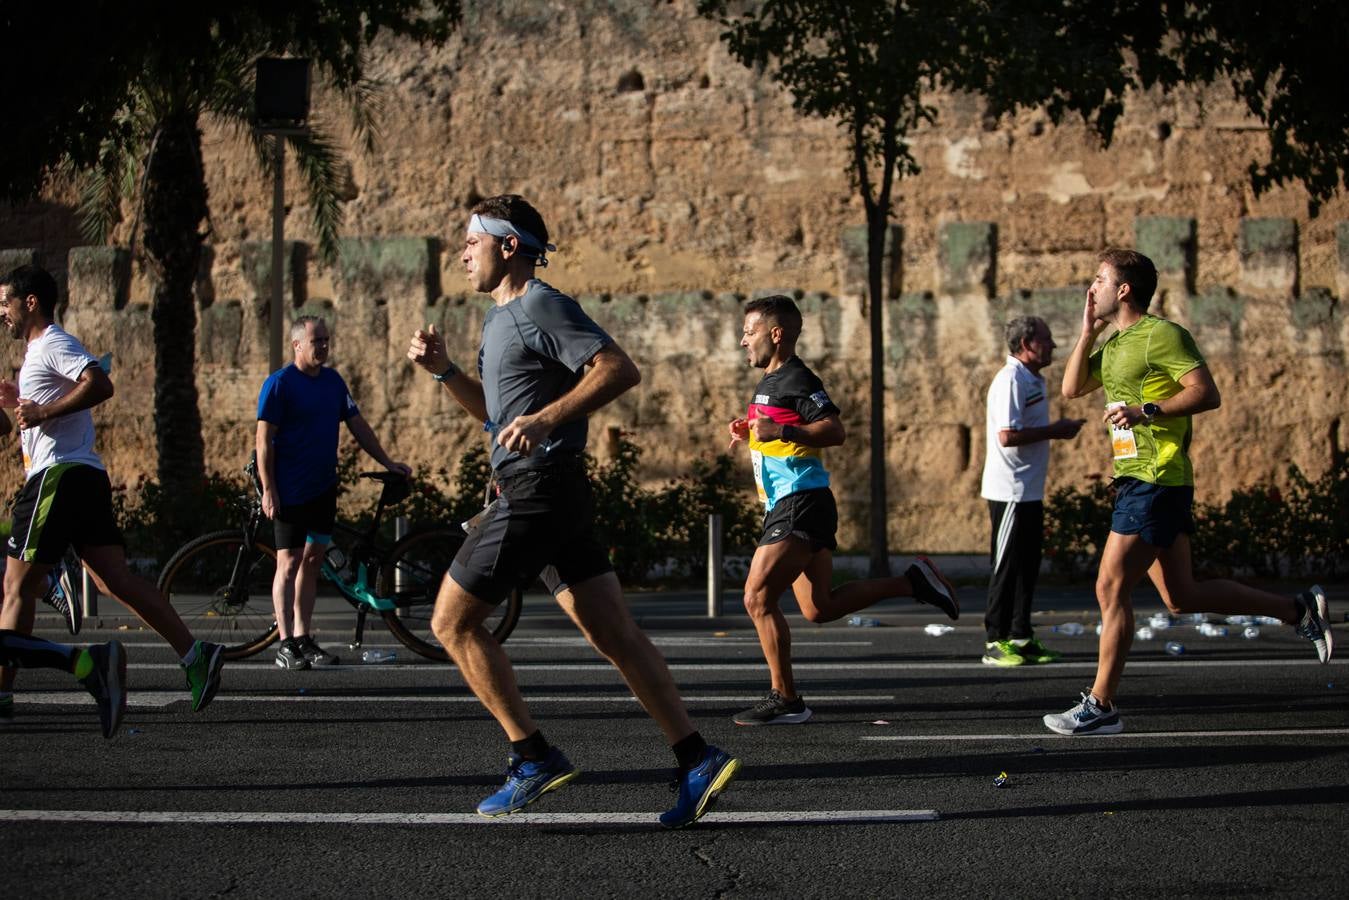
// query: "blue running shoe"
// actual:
[[699, 786], [527, 781]]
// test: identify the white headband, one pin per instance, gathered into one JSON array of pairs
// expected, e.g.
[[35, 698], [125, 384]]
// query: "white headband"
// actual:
[[502, 228]]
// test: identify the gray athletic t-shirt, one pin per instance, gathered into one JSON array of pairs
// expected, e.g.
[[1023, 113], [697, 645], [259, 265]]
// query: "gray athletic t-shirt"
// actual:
[[533, 351]]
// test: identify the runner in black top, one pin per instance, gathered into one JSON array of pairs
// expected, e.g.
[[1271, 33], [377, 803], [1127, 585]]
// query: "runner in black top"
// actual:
[[789, 420]]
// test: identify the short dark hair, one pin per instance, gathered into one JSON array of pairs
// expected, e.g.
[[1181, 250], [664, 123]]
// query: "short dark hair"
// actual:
[[34, 281], [1135, 270], [301, 323], [780, 310], [1020, 330], [516, 210]]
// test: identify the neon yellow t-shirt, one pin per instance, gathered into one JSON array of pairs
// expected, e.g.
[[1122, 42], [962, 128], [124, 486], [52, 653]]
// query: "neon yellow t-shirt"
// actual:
[[1144, 364]]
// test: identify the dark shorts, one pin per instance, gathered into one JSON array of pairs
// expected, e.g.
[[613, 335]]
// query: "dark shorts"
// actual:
[[311, 520], [63, 505], [810, 515], [539, 525], [1154, 512]]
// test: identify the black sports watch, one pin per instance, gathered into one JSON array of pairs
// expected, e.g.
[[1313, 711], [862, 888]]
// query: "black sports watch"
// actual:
[[1151, 411]]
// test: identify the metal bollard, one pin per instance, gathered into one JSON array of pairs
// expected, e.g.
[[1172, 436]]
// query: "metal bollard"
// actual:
[[714, 565], [88, 594], [400, 531]]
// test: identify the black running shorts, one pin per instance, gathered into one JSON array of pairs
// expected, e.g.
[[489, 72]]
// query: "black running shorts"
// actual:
[[311, 520], [810, 515], [541, 523], [65, 504]]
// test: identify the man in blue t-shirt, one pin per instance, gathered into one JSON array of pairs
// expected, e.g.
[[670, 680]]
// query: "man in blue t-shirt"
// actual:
[[299, 410]]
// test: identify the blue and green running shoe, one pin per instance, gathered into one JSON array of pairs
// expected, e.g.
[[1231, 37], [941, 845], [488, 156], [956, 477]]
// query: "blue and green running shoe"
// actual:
[[698, 787], [527, 781]]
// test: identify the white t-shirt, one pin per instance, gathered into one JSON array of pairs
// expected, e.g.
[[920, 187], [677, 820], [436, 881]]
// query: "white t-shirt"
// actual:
[[51, 367], [1017, 400]]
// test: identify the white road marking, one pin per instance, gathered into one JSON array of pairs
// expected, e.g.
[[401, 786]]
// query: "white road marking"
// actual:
[[1124, 735], [155, 699], [198, 817]]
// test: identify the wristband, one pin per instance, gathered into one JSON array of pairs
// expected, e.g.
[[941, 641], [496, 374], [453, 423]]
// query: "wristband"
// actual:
[[449, 373]]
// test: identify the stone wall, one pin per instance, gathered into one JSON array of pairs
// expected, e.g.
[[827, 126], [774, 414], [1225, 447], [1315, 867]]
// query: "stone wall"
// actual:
[[676, 183]]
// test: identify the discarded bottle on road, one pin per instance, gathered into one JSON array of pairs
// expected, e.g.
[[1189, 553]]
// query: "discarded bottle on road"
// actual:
[[864, 622], [378, 656], [1071, 629], [936, 629], [1160, 621], [1175, 648], [1197, 618], [1240, 620], [1250, 632], [1145, 633], [1210, 630]]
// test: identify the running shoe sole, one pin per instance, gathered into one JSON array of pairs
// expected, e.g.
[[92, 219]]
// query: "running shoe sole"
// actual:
[[1323, 613], [717, 785], [785, 719], [113, 678], [929, 570]]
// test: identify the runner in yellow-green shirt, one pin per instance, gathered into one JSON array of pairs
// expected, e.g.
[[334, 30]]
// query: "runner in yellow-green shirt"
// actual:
[[1155, 380]]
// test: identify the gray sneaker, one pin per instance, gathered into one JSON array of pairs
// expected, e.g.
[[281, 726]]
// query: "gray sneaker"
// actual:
[[1315, 622], [107, 684], [1086, 717], [931, 587], [774, 710]]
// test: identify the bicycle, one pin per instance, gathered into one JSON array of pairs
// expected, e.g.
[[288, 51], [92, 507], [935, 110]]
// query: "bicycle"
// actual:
[[221, 583]]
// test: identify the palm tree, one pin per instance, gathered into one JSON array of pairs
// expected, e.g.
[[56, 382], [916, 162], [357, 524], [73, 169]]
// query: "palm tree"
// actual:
[[151, 155]]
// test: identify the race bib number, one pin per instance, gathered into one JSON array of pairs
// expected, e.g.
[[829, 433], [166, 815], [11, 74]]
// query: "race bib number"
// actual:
[[1122, 439], [756, 458]]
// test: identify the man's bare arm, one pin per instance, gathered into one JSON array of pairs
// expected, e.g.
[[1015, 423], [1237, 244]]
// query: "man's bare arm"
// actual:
[[610, 373]]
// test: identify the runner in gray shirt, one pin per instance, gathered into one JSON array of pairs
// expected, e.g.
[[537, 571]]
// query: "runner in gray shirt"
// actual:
[[543, 367]]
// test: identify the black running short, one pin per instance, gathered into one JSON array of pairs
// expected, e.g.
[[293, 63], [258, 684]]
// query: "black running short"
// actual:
[[809, 515], [63, 505], [311, 520], [540, 524]]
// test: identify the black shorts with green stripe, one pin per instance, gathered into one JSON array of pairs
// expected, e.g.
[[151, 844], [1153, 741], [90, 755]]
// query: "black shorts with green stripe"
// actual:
[[65, 504]]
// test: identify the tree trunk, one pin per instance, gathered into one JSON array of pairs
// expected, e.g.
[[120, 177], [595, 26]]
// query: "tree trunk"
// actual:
[[175, 206], [880, 552]]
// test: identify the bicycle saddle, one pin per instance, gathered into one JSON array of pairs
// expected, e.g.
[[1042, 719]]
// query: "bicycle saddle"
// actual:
[[396, 486]]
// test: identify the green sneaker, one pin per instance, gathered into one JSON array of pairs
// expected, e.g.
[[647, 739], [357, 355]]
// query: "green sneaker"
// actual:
[[203, 675], [1003, 653], [1035, 652]]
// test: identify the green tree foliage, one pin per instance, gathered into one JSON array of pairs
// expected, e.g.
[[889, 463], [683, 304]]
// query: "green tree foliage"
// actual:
[[869, 64], [114, 94]]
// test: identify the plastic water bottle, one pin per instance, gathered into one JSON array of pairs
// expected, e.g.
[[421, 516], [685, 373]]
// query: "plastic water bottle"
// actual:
[[1175, 648], [1100, 626], [864, 622], [378, 656], [1210, 630], [1240, 620], [1250, 632], [1145, 633], [1160, 621], [936, 629], [1072, 629], [1198, 618]]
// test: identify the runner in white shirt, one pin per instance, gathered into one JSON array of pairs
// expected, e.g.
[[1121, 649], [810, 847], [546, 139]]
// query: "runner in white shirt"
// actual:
[[1015, 463], [67, 501]]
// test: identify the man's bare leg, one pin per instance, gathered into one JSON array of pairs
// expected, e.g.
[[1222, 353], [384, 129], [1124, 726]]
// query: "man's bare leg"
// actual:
[[1173, 576], [458, 625], [107, 564], [774, 568], [597, 607]]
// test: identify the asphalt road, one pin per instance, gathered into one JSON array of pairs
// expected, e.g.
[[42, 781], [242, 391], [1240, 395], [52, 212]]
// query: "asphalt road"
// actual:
[[1230, 778]]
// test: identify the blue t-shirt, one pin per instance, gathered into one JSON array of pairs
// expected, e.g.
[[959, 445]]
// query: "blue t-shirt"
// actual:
[[306, 410], [533, 351]]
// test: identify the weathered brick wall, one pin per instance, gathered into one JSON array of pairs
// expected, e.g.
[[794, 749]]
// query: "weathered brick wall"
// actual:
[[676, 182]]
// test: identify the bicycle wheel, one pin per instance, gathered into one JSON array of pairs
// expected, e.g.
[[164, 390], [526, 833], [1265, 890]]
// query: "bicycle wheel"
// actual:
[[197, 584], [412, 576]]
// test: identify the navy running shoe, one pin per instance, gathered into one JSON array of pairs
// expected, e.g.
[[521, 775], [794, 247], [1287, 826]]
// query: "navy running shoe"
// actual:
[[527, 781], [698, 787]]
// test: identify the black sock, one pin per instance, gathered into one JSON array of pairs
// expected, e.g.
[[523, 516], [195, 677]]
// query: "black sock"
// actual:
[[533, 748], [689, 751], [27, 652]]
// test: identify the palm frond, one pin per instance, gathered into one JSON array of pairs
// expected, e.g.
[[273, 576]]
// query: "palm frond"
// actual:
[[317, 159], [365, 105]]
